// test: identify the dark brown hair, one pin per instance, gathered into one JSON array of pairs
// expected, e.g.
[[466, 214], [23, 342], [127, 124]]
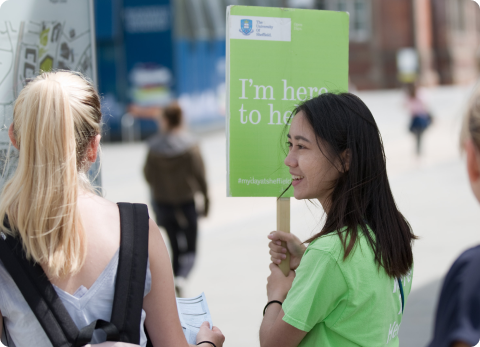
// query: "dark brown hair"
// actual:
[[361, 196], [173, 115]]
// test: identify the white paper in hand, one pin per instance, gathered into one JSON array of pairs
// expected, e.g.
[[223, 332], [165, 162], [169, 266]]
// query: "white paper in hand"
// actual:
[[193, 312]]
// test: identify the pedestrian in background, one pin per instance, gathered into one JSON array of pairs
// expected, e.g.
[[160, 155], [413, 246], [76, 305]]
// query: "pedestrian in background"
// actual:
[[457, 322], [420, 115], [175, 171]]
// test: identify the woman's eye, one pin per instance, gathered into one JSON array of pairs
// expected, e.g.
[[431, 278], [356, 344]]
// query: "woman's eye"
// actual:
[[300, 146], [289, 144]]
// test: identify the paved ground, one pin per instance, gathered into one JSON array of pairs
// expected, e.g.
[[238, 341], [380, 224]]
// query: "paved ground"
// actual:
[[232, 266]]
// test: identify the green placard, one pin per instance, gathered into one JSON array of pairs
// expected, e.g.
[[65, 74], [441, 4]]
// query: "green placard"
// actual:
[[276, 58]]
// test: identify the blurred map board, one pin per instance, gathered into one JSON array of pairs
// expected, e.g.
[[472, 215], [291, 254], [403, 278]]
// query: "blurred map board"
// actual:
[[40, 35]]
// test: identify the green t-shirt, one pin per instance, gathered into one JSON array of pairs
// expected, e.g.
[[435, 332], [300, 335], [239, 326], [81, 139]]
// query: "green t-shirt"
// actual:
[[344, 303]]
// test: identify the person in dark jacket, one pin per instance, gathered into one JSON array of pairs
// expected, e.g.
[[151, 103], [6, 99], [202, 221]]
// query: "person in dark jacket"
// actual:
[[175, 171], [457, 318]]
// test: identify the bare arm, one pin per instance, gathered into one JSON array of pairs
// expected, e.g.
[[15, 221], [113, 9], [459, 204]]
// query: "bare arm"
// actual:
[[274, 332], [161, 320], [160, 305]]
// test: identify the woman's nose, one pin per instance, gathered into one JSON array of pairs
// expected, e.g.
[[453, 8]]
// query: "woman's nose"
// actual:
[[290, 160]]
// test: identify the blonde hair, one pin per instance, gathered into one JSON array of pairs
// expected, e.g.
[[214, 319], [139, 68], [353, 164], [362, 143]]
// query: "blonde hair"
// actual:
[[471, 121], [55, 118]]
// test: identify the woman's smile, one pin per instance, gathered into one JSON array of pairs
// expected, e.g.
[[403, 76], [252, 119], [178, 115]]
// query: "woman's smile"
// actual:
[[296, 180]]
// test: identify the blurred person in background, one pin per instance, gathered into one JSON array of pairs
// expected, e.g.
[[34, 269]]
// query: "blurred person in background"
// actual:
[[457, 321], [175, 171], [420, 115]]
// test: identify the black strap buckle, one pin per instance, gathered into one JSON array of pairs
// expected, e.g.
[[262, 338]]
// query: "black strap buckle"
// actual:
[[86, 333]]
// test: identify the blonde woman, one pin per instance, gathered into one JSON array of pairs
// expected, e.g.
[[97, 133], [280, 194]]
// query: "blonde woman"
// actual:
[[457, 322], [71, 232]]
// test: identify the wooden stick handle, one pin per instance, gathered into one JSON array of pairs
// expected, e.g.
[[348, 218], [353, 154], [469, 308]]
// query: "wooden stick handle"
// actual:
[[283, 224]]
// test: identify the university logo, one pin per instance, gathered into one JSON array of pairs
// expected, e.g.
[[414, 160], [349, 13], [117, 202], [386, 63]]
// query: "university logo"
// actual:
[[246, 26]]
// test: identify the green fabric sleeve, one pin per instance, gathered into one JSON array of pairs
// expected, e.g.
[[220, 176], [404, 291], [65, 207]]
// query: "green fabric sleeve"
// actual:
[[319, 291]]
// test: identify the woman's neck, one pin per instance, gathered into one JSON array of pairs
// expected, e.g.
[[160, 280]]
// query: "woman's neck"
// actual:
[[326, 203]]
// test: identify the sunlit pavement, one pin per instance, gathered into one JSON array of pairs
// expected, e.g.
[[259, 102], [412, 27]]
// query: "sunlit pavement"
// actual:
[[232, 267]]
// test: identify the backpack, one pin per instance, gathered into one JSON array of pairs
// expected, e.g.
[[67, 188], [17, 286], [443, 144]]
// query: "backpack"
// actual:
[[129, 286]]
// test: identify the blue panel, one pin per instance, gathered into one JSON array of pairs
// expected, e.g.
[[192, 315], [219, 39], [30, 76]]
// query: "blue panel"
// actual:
[[219, 53], [104, 23], [148, 32], [201, 65], [106, 68], [183, 66], [148, 49]]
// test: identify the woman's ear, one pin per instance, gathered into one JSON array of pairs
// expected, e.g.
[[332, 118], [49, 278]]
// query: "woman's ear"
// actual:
[[93, 149], [473, 167], [11, 135], [346, 158]]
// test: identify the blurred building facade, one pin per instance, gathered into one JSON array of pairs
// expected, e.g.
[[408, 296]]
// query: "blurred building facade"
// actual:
[[444, 33], [153, 51]]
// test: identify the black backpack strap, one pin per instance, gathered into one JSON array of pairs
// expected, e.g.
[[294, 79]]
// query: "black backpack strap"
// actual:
[[85, 335], [44, 301], [38, 293], [131, 272]]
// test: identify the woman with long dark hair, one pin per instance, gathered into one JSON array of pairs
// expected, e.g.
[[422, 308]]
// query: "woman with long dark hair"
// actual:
[[350, 285]]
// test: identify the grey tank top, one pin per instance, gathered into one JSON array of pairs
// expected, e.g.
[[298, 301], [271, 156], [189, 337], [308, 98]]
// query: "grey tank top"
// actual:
[[85, 306]]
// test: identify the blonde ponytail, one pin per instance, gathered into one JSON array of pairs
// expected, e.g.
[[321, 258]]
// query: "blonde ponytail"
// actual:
[[56, 116]]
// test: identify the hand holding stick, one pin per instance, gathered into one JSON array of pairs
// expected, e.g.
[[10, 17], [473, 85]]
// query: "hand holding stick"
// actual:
[[283, 224]]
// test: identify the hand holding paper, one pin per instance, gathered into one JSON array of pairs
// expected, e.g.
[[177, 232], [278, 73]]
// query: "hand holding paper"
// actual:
[[196, 321], [213, 335]]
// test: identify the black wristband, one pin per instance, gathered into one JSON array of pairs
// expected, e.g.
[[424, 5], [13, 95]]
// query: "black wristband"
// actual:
[[271, 302], [206, 342]]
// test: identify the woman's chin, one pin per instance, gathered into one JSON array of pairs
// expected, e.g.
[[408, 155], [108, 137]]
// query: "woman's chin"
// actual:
[[298, 195]]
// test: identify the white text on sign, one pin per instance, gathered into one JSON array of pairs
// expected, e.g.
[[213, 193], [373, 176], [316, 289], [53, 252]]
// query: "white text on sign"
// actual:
[[262, 92]]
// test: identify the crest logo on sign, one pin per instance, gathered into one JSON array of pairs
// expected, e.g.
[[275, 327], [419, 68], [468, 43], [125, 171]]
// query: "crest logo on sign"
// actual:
[[246, 26]]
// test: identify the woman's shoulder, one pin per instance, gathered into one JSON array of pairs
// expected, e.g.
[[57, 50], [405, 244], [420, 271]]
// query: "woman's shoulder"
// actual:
[[93, 202], [463, 274], [333, 243], [329, 243], [466, 266], [99, 215], [460, 292], [468, 256]]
